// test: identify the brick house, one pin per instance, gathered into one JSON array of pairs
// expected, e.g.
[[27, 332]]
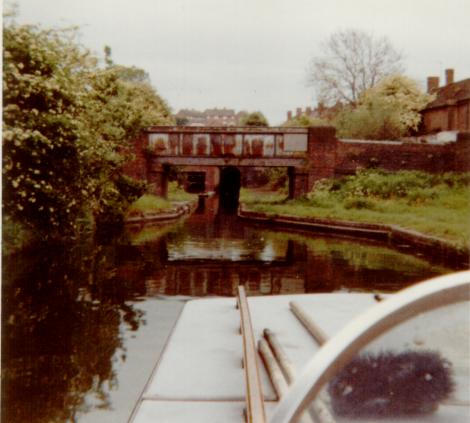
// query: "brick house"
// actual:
[[211, 117], [450, 111]]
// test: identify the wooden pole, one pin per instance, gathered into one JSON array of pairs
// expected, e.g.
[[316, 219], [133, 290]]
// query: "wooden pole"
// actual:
[[319, 410], [285, 364], [275, 373], [272, 366], [320, 336], [254, 395]]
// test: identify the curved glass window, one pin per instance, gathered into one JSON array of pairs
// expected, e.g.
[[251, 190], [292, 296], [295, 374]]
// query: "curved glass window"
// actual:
[[408, 358]]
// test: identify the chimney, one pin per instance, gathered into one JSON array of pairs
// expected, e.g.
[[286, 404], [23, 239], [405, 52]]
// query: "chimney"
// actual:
[[289, 115], [433, 83], [298, 112], [308, 112], [449, 76]]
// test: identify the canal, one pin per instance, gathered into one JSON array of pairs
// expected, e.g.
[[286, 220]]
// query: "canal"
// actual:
[[83, 324]]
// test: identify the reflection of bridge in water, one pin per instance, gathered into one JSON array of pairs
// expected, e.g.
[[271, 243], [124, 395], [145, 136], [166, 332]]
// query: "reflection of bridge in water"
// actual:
[[200, 277], [219, 252], [222, 278], [213, 253]]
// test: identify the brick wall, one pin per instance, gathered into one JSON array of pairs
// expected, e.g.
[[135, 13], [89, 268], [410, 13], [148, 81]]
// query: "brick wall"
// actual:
[[331, 157], [393, 156], [137, 168], [322, 152], [462, 152]]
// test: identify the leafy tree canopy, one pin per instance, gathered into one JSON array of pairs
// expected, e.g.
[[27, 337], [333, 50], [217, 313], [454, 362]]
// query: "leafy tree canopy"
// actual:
[[303, 121], [254, 119], [376, 120], [403, 94], [65, 124], [41, 127], [389, 110]]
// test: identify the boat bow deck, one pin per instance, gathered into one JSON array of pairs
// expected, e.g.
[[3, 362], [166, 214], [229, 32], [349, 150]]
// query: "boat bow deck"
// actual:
[[200, 377], [201, 367]]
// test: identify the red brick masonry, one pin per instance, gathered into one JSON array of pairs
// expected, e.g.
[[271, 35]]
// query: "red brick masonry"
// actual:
[[331, 157], [326, 156]]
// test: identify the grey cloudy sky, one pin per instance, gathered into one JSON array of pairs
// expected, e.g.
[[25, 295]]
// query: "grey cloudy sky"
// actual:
[[254, 54]]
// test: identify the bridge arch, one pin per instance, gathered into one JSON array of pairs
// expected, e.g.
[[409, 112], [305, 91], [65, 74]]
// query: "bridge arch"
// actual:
[[229, 187]]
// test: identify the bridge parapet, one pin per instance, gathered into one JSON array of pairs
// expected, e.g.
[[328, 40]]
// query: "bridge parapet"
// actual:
[[222, 142]]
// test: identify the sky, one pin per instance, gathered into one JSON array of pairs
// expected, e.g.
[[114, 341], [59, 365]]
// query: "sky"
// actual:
[[255, 54]]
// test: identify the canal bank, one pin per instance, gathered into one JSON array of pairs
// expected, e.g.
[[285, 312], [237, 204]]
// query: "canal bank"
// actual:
[[394, 235], [179, 210]]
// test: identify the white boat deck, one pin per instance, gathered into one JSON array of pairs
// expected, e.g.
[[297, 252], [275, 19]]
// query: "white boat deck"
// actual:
[[200, 378]]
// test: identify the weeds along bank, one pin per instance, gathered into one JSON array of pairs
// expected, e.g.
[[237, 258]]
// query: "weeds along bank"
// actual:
[[149, 205], [437, 205]]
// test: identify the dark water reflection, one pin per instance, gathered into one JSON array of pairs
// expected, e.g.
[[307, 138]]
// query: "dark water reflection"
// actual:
[[68, 310], [213, 253], [63, 311]]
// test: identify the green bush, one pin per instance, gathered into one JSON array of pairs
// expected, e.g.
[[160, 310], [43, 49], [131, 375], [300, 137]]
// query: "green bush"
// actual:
[[320, 198], [358, 203], [278, 178], [66, 124], [384, 185], [414, 186], [254, 119], [453, 179], [15, 236], [421, 195]]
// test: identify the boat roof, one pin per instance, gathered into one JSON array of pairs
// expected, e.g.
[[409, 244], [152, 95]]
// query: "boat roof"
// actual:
[[199, 377]]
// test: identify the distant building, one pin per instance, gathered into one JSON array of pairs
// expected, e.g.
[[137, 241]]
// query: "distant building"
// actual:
[[320, 112], [210, 117], [450, 111]]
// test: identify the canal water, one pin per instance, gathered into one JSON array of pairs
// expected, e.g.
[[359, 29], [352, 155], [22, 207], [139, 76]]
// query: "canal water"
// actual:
[[83, 324]]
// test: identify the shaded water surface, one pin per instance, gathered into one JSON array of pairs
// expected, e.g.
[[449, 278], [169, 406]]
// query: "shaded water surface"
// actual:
[[83, 324]]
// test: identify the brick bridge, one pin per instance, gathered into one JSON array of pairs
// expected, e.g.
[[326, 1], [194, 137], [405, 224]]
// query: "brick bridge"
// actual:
[[215, 155], [219, 152]]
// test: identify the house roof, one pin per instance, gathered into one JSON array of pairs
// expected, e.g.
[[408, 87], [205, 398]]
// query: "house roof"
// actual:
[[455, 92]]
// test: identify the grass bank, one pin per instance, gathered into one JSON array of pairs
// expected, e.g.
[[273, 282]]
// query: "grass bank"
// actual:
[[150, 204], [437, 205]]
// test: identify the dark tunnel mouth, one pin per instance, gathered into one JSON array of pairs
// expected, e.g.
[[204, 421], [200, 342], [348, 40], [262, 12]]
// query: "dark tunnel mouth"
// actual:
[[229, 188]]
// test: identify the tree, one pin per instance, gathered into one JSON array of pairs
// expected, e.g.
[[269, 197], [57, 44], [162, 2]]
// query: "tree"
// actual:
[[352, 62], [403, 95], [389, 110], [303, 121], [119, 104], [254, 119], [66, 124], [182, 121], [41, 159], [374, 120], [107, 56]]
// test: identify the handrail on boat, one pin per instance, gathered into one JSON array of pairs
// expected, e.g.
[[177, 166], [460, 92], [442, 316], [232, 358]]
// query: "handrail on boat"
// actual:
[[255, 412], [339, 350]]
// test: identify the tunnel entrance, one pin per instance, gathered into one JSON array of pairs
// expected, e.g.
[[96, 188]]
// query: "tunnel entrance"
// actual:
[[229, 188], [195, 182]]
